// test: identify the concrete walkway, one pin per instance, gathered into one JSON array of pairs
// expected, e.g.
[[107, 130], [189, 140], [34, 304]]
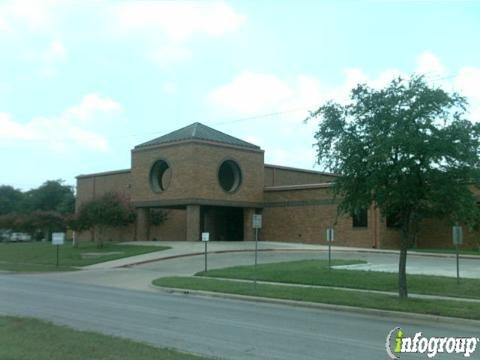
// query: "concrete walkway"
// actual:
[[191, 248], [188, 248], [137, 272]]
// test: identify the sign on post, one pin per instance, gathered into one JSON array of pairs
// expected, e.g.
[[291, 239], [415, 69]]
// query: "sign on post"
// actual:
[[257, 221], [330, 238], [58, 238], [457, 238], [457, 235], [330, 234], [205, 239], [256, 224]]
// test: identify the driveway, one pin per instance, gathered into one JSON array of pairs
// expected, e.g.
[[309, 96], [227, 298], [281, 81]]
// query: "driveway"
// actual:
[[177, 261]]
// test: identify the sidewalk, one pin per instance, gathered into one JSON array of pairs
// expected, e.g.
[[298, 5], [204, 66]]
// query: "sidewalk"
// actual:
[[188, 248]]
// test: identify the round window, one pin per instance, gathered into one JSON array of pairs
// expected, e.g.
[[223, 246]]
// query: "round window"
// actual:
[[160, 176], [229, 176]]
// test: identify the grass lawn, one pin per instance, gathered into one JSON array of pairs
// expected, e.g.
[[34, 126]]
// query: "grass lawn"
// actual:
[[450, 308], [30, 339], [451, 251], [40, 256], [315, 272]]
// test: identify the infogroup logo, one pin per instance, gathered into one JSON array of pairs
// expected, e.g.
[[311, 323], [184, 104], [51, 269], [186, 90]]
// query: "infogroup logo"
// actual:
[[397, 343]]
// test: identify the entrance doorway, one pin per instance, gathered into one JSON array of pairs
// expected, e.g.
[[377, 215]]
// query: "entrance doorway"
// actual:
[[223, 223]]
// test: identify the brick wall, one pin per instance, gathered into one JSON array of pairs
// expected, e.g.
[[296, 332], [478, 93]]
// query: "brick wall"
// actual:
[[173, 229], [304, 215], [280, 175], [93, 186], [194, 169]]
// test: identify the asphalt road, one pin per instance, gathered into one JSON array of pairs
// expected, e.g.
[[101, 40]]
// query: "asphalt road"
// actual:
[[217, 327]]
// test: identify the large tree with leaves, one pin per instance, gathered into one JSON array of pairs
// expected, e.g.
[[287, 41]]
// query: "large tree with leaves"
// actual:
[[408, 149], [109, 210], [10, 199], [52, 195]]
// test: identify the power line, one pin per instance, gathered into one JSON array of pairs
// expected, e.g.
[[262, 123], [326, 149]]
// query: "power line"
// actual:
[[267, 115], [262, 116]]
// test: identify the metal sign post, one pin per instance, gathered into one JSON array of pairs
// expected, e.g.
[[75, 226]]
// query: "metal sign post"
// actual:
[[57, 240], [457, 237], [256, 224], [330, 238], [205, 239]]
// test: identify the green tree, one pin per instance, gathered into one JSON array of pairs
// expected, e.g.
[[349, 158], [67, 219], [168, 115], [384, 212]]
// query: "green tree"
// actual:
[[408, 149], [52, 195], [10, 199], [44, 208], [46, 221], [109, 210]]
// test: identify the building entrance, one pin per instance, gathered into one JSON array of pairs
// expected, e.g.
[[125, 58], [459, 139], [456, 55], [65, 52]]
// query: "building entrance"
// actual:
[[223, 223]]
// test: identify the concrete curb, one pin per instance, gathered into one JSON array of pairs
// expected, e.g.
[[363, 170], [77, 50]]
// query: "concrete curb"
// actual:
[[380, 292], [392, 315]]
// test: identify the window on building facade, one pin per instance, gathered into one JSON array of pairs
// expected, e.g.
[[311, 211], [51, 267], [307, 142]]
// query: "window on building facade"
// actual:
[[160, 176], [229, 176], [360, 218]]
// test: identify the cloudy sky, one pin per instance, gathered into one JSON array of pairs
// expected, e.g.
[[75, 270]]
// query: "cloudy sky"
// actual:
[[82, 82]]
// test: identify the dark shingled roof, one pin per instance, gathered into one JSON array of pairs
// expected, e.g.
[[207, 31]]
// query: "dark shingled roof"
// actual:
[[197, 131]]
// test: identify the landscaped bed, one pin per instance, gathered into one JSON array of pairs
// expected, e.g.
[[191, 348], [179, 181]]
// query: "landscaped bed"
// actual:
[[316, 272], [41, 256]]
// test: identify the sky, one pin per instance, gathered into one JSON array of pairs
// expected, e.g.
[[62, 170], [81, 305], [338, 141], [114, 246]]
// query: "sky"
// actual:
[[83, 82]]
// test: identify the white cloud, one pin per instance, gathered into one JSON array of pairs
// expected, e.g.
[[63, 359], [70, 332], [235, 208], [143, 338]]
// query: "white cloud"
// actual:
[[32, 15], [179, 20], [429, 64], [467, 83], [91, 105], [251, 92], [4, 27], [10, 130], [252, 96], [63, 131]]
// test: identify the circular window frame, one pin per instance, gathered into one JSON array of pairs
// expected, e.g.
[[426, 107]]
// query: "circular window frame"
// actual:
[[157, 171], [237, 170]]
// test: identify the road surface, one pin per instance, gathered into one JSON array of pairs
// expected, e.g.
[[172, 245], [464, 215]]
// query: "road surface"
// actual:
[[222, 328]]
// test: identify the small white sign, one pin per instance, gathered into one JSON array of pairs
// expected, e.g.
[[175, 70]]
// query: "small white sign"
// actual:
[[58, 238], [330, 234], [457, 235], [257, 221], [205, 236]]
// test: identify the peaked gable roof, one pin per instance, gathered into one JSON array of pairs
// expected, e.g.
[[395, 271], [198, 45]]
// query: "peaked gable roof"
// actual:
[[198, 131]]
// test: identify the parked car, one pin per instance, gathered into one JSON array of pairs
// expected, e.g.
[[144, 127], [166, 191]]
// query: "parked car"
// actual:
[[5, 235], [18, 236]]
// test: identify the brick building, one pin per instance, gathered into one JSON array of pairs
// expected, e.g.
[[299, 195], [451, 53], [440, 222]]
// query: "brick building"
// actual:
[[210, 181]]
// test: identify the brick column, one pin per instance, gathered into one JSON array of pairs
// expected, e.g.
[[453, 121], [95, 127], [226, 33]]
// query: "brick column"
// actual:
[[248, 234], [142, 224], [193, 222]]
